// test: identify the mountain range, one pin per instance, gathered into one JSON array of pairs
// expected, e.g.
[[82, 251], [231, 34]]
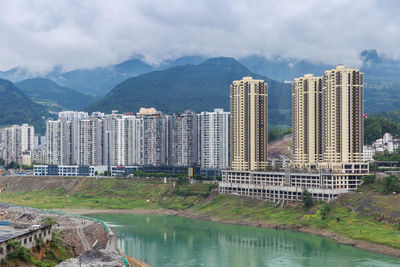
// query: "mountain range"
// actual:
[[17, 108], [200, 87], [53, 96], [190, 82]]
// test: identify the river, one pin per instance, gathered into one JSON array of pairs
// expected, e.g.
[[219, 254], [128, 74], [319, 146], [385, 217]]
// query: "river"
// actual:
[[177, 241]]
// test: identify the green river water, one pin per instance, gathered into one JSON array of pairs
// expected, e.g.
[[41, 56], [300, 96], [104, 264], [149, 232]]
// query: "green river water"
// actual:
[[177, 241]]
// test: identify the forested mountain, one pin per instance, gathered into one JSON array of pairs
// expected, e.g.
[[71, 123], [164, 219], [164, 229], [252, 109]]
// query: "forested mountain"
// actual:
[[17, 108], [54, 96], [200, 87]]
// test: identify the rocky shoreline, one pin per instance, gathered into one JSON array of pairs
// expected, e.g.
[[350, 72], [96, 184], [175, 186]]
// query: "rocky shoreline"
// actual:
[[376, 248]]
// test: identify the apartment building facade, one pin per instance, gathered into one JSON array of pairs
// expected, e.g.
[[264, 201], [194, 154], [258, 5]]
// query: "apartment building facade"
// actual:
[[185, 139], [16, 141], [213, 139], [327, 119], [249, 124]]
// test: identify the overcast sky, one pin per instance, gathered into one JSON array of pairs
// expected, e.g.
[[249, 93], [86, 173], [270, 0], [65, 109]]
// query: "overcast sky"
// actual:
[[87, 33]]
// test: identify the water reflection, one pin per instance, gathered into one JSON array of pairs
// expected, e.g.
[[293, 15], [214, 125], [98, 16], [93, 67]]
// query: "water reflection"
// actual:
[[176, 241]]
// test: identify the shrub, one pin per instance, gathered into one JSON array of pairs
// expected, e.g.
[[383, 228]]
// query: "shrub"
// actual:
[[326, 209], [368, 179], [307, 199], [49, 221], [390, 184]]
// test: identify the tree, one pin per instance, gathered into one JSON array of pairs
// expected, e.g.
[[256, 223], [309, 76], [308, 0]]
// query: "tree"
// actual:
[[49, 221], [198, 177], [368, 179], [2, 162], [27, 167], [391, 184], [326, 209], [307, 199], [12, 165]]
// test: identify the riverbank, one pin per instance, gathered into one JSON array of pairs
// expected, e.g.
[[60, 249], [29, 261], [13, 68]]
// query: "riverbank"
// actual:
[[366, 219], [376, 248]]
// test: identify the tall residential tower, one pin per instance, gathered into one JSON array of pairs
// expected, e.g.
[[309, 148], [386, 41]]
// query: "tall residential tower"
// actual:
[[249, 130], [327, 119], [307, 120]]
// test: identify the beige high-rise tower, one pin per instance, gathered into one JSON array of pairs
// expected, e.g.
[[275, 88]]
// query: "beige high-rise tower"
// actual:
[[306, 120], [342, 111], [249, 124], [327, 118]]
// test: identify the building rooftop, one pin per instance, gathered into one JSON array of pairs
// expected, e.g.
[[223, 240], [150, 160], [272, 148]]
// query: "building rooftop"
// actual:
[[9, 232]]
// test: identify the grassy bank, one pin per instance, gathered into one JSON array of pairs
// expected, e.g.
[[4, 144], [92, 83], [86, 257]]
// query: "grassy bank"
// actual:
[[367, 215]]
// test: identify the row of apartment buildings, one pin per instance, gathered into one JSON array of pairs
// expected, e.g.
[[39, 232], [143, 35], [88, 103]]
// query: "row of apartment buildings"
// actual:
[[149, 138], [17, 143]]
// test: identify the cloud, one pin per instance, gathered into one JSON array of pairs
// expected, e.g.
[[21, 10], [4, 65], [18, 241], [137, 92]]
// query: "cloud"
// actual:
[[88, 33]]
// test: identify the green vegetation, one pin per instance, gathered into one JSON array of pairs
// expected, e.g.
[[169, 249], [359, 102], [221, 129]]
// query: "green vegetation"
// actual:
[[17, 108], [2, 162], [369, 179], [108, 193], [42, 255], [337, 219], [49, 221], [200, 87], [307, 199], [376, 127], [42, 90], [278, 133], [12, 165], [390, 184], [389, 115], [386, 156]]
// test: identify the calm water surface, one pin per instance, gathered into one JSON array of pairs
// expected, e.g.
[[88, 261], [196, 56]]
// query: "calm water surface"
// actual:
[[176, 241]]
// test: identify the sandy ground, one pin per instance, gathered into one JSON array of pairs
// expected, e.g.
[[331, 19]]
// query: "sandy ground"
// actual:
[[381, 249]]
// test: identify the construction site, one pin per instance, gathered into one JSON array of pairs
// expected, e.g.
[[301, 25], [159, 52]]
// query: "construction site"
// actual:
[[90, 242]]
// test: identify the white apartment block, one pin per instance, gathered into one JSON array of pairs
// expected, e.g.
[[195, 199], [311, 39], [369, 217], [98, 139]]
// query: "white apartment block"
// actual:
[[16, 141], [386, 143], [90, 141], [59, 142], [368, 152], [124, 140], [74, 117], [214, 139]]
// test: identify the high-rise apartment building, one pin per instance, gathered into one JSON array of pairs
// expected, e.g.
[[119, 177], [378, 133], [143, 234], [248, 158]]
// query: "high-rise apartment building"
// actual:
[[17, 140], [125, 140], [214, 139], [248, 124], [343, 122], [59, 142], [327, 119], [90, 141], [307, 120], [185, 139], [74, 117], [154, 132]]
